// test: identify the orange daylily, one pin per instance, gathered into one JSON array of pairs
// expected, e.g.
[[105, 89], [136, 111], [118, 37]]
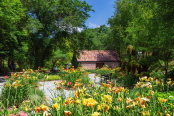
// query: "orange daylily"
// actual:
[[128, 100], [67, 113], [44, 107], [37, 109], [162, 100]]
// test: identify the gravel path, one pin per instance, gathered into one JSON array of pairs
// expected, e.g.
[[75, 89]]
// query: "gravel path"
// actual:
[[50, 90]]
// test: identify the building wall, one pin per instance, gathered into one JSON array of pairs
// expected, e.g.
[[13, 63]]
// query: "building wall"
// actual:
[[88, 65], [92, 65]]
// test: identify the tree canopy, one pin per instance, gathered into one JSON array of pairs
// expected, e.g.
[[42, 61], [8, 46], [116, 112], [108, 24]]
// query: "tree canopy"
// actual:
[[33, 32], [35, 29], [147, 26]]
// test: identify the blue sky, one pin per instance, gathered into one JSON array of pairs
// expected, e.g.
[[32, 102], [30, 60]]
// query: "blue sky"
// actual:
[[104, 9]]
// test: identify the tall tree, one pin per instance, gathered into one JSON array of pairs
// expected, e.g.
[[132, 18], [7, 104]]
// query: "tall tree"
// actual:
[[118, 24], [12, 28], [147, 26], [54, 21]]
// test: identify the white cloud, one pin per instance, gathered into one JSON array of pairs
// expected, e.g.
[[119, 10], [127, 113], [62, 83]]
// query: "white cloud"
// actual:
[[92, 25], [71, 29], [79, 29]]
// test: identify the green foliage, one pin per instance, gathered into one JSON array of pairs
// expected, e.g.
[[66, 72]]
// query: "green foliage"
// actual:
[[127, 80], [100, 71], [74, 61], [166, 95], [97, 38], [30, 38], [12, 30], [48, 35], [35, 97], [158, 74], [17, 88], [146, 97], [145, 25], [52, 77], [74, 76]]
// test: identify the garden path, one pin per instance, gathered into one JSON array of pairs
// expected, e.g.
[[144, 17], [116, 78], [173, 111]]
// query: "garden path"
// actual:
[[49, 87], [1, 82]]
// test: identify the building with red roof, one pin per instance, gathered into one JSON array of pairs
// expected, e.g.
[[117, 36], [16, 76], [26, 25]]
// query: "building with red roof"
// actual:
[[98, 58]]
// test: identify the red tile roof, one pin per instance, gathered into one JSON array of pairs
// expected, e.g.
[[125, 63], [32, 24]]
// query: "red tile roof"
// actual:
[[98, 55]]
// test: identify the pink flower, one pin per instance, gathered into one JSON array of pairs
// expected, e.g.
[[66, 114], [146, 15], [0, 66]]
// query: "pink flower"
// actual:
[[21, 113], [70, 83], [6, 77], [109, 82]]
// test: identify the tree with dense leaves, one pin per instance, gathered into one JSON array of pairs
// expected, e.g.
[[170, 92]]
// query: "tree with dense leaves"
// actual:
[[12, 30], [52, 22], [147, 26]]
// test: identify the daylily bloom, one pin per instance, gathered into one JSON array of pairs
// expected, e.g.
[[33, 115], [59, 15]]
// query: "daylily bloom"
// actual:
[[68, 101], [106, 107], [77, 84], [118, 89], [106, 85], [151, 92], [143, 78], [167, 114], [6, 77], [162, 100], [95, 114], [7, 85], [70, 83], [37, 109], [62, 82], [56, 106], [145, 99], [145, 113], [79, 80], [44, 107], [78, 101], [89, 102], [107, 98], [67, 113], [119, 99], [99, 107], [128, 100], [16, 84], [103, 106], [129, 106], [77, 94], [21, 113]]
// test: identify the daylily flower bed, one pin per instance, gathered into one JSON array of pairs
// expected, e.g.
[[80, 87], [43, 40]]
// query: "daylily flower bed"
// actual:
[[146, 98]]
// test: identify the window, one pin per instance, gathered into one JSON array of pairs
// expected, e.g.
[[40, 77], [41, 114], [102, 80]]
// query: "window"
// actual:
[[99, 65]]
